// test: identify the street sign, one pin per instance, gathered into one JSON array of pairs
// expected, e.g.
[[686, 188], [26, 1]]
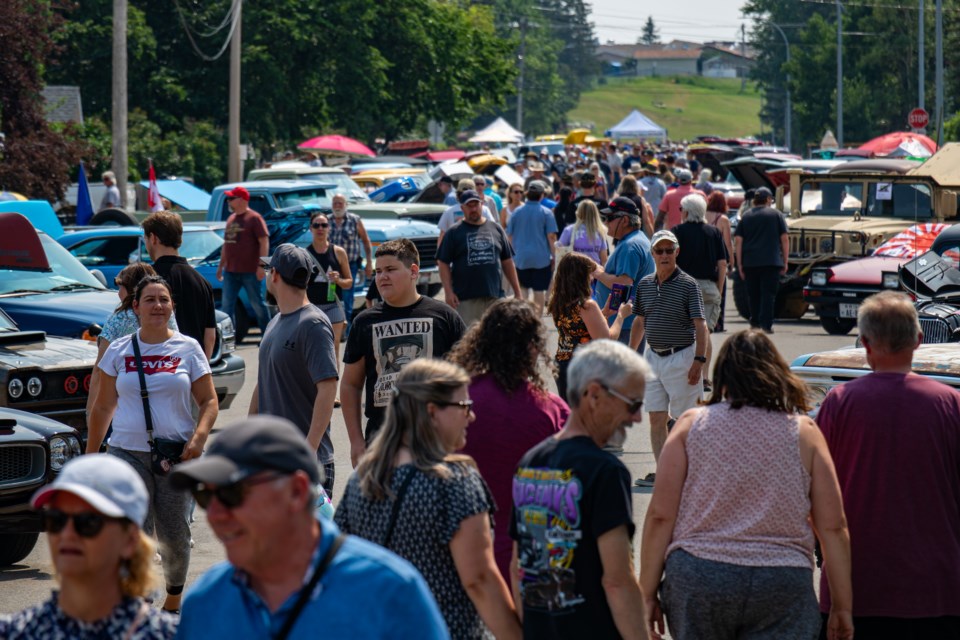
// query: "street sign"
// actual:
[[918, 118]]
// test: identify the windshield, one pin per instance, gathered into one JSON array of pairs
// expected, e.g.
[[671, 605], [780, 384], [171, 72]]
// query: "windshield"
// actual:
[[67, 273], [831, 198], [320, 197], [197, 245], [899, 200], [345, 185]]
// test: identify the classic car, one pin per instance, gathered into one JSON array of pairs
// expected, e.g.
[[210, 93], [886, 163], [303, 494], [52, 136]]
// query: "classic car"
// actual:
[[33, 450], [44, 288]]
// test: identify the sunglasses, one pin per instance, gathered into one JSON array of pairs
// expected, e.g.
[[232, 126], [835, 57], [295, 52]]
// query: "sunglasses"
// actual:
[[632, 405], [320, 225], [87, 525], [668, 252], [466, 405], [516, 191], [230, 496]]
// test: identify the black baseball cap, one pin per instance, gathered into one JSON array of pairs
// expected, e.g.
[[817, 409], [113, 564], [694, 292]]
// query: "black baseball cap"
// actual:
[[620, 206], [247, 447], [762, 193]]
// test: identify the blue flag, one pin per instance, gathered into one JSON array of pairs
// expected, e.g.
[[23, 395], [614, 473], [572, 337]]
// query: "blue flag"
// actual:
[[84, 205]]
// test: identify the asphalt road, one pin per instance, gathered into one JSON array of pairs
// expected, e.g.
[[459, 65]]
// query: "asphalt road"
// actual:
[[31, 581]]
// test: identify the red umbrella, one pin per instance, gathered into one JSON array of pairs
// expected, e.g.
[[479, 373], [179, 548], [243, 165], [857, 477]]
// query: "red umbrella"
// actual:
[[885, 144], [911, 242], [337, 144]]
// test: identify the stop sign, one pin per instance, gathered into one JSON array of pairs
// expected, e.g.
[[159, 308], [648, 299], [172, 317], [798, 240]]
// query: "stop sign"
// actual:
[[918, 118]]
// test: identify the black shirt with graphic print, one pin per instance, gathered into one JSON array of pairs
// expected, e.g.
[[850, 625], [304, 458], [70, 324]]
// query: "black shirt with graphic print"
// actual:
[[474, 253]]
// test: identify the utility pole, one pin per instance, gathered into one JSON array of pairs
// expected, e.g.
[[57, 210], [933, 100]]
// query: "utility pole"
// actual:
[[521, 60], [743, 56], [234, 168], [119, 98], [839, 75], [920, 56], [788, 111], [939, 54]]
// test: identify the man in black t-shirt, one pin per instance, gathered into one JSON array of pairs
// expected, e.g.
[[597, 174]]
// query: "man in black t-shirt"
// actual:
[[389, 335], [572, 516], [762, 249], [192, 294], [473, 257]]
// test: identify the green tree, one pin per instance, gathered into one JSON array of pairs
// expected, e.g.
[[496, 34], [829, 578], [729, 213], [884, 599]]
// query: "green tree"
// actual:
[[650, 33]]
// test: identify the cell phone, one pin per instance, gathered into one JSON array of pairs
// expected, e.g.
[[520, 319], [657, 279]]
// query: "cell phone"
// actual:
[[618, 295]]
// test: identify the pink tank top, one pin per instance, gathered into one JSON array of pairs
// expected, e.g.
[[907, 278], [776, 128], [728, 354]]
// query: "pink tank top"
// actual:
[[746, 498]]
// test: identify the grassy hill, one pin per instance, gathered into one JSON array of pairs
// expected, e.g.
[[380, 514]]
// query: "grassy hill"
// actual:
[[685, 106]]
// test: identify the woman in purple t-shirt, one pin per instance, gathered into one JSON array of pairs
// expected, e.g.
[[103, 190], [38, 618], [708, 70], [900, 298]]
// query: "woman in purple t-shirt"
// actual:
[[586, 235], [504, 354]]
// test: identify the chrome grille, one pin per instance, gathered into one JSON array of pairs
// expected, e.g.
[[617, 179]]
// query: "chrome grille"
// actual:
[[427, 248], [935, 330], [21, 464]]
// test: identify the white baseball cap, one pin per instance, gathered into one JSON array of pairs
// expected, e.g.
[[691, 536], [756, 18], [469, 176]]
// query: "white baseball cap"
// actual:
[[107, 483]]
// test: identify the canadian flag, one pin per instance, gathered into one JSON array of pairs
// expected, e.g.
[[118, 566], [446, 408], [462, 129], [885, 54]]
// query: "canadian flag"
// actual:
[[153, 195]]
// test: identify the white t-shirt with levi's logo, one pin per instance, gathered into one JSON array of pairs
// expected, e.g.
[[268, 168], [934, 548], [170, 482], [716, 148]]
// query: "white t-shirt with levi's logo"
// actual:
[[170, 368]]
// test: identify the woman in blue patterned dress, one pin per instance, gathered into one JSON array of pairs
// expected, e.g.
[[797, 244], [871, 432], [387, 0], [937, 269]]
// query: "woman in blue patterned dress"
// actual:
[[412, 494], [92, 514]]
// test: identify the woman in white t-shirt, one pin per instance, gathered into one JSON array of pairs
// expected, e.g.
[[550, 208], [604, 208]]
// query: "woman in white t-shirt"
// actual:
[[176, 373]]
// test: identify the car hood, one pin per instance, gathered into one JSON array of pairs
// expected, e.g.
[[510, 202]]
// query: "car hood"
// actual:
[[865, 270], [383, 230], [934, 359], [61, 313], [54, 353]]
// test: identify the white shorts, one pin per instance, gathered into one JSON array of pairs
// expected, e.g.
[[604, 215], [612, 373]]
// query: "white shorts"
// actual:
[[669, 391], [711, 302]]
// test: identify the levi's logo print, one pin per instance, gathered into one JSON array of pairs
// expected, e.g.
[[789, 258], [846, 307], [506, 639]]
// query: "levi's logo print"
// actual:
[[397, 343], [481, 249], [153, 364], [548, 523]]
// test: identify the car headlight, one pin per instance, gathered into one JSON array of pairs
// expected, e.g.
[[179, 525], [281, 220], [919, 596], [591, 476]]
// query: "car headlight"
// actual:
[[818, 278], [15, 388], [815, 396], [34, 386], [826, 245], [59, 453], [228, 336], [891, 280]]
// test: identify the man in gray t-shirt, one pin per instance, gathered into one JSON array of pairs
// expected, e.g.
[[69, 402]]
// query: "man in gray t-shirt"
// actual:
[[297, 377]]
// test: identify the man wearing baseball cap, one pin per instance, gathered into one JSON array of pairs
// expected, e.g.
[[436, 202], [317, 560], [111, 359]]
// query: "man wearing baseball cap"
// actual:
[[532, 230], [287, 570], [245, 239], [297, 373], [630, 260], [669, 311], [670, 213]]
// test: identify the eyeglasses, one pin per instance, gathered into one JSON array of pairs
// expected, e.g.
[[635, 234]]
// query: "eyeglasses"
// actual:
[[230, 496], [320, 225], [632, 405], [466, 405], [668, 252], [87, 525]]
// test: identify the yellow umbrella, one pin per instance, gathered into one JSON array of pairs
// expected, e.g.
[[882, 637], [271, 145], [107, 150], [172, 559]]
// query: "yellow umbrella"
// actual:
[[577, 136], [595, 142], [11, 195]]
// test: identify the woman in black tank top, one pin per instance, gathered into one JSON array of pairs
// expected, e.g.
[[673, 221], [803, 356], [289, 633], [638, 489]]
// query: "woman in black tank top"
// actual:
[[326, 291]]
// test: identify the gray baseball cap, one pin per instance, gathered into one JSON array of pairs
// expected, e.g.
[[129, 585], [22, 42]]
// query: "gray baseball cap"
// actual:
[[293, 263], [684, 176], [107, 483], [662, 235]]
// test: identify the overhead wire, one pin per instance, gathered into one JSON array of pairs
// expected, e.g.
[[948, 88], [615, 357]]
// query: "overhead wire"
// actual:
[[231, 16]]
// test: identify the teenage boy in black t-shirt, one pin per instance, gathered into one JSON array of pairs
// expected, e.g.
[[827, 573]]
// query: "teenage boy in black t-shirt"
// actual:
[[388, 336]]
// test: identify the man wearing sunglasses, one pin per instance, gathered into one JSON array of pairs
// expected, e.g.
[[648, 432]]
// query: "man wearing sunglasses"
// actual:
[[668, 307], [245, 239], [288, 569], [630, 260]]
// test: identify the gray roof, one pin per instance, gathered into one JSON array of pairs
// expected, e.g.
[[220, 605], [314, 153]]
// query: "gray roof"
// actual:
[[62, 104]]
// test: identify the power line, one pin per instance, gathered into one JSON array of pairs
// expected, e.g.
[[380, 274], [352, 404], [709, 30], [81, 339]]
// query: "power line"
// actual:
[[231, 16]]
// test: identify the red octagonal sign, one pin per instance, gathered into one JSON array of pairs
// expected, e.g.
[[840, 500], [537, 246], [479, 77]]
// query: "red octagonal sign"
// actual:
[[918, 118]]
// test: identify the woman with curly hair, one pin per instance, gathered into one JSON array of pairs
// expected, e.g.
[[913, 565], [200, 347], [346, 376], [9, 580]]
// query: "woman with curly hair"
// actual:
[[576, 314], [504, 354], [743, 486]]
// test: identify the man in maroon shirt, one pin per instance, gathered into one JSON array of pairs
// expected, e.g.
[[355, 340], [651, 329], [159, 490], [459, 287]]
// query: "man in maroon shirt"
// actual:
[[895, 440], [245, 240]]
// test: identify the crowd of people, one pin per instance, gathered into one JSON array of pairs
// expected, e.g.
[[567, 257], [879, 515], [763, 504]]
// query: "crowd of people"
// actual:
[[481, 503]]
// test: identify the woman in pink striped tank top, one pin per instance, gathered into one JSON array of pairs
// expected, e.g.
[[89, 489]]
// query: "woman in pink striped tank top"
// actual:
[[743, 484]]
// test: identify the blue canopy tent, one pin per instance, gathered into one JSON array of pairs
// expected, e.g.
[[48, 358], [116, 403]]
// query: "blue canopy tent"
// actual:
[[181, 194], [637, 125]]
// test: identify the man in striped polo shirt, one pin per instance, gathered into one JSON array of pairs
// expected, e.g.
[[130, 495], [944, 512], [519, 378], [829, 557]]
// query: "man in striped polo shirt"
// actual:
[[669, 312]]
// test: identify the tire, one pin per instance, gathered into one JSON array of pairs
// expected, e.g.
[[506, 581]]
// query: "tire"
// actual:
[[837, 326], [117, 217], [740, 297], [243, 322], [14, 547]]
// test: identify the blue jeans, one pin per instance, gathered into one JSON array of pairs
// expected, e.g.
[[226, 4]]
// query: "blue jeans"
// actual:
[[232, 283], [356, 269]]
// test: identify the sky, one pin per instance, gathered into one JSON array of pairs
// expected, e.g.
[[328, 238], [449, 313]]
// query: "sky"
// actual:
[[694, 20]]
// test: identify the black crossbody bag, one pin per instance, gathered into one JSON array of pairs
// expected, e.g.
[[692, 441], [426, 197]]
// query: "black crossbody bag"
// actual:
[[164, 452]]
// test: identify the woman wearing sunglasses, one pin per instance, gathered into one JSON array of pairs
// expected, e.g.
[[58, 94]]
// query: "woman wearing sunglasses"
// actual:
[[514, 200], [326, 291], [92, 514], [176, 374], [413, 495]]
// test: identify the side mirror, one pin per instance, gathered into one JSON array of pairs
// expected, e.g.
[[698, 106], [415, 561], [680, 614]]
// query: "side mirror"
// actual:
[[96, 273]]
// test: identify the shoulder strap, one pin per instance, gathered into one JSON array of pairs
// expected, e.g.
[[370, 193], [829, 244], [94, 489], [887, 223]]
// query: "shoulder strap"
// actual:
[[135, 341], [395, 513], [308, 588]]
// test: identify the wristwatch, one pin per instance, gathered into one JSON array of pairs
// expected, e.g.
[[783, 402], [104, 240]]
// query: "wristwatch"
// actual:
[[702, 359]]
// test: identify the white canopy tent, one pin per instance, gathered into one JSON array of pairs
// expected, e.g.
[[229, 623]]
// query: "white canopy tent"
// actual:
[[497, 131], [637, 125]]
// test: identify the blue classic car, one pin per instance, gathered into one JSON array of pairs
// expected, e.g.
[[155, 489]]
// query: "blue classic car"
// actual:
[[44, 288]]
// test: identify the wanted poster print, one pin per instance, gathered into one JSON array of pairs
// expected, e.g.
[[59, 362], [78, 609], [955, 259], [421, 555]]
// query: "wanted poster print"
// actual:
[[395, 344]]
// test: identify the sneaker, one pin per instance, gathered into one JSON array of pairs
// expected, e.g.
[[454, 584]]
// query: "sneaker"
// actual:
[[646, 481], [707, 386], [336, 403]]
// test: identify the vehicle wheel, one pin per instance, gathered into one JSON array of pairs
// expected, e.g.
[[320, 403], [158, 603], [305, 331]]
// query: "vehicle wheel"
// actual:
[[14, 547], [740, 297], [790, 304], [837, 326], [242, 327], [118, 217]]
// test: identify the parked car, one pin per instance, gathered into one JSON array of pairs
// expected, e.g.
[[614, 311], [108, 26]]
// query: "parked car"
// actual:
[[33, 450], [44, 288]]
